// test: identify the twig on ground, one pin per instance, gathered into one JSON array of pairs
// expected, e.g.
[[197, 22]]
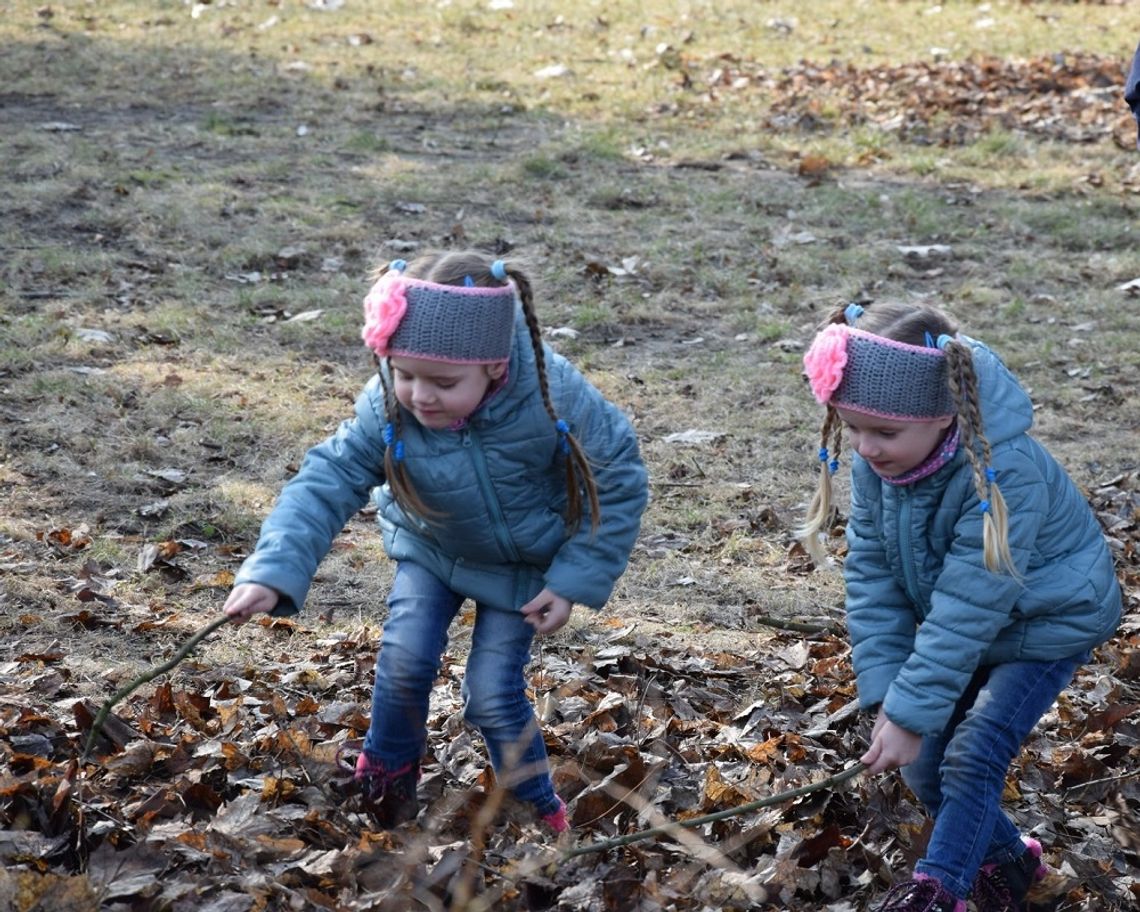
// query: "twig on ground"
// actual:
[[796, 626], [133, 684], [1080, 787], [778, 798]]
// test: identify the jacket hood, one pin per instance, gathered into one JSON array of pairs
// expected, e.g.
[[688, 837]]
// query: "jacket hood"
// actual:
[[1007, 411]]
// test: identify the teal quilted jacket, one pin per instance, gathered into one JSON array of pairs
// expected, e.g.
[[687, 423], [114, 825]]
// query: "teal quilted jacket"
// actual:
[[499, 482], [923, 611]]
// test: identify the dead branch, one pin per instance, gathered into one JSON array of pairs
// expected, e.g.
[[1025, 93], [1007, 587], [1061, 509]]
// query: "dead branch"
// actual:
[[672, 826], [132, 685]]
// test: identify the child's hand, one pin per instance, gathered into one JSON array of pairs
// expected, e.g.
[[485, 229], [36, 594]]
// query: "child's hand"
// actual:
[[547, 611], [249, 599], [891, 746]]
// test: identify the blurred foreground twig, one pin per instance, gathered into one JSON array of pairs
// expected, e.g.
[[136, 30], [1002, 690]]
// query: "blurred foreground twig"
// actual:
[[778, 798]]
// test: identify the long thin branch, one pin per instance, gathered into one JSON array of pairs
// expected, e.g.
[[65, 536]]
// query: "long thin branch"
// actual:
[[132, 685], [778, 798], [797, 626]]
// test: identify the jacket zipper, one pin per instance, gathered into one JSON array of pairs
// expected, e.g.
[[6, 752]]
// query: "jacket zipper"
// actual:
[[498, 521], [906, 553]]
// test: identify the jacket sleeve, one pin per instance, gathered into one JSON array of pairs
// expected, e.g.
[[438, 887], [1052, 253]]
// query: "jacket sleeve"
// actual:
[[881, 620], [588, 565], [970, 605], [334, 481]]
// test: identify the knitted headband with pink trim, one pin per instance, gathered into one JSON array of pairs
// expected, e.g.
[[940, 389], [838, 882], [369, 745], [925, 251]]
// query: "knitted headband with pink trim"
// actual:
[[857, 370], [462, 324]]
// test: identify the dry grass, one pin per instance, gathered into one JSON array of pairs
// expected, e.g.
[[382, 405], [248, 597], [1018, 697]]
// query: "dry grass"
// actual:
[[161, 163]]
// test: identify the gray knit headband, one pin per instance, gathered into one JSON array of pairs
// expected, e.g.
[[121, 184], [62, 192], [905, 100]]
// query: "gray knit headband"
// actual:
[[454, 323], [852, 369]]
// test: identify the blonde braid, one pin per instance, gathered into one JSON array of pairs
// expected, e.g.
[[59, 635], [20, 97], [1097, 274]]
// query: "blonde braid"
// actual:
[[396, 474], [579, 477], [822, 510], [995, 516]]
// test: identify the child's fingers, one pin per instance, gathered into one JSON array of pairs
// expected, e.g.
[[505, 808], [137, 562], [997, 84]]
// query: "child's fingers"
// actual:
[[247, 600], [871, 758]]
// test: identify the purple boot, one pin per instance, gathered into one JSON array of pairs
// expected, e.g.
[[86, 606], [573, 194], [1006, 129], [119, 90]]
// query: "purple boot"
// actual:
[[923, 894], [1002, 888], [387, 796]]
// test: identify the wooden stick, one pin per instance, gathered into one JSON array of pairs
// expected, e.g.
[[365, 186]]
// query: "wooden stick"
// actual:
[[132, 685], [778, 798]]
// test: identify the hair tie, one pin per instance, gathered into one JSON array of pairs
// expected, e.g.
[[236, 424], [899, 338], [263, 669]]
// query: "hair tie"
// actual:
[[851, 313], [499, 270], [944, 340], [984, 506], [823, 454], [991, 474], [396, 446], [833, 466], [468, 282], [928, 339], [398, 265], [563, 432]]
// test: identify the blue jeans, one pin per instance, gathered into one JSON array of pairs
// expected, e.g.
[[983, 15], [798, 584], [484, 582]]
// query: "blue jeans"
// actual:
[[960, 774], [420, 609]]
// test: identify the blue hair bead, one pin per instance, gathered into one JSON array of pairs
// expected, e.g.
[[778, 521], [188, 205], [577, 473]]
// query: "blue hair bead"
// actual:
[[834, 466], [398, 451], [499, 270], [823, 454], [984, 507], [943, 340], [389, 434], [398, 265], [468, 282], [563, 435], [851, 313], [991, 474]]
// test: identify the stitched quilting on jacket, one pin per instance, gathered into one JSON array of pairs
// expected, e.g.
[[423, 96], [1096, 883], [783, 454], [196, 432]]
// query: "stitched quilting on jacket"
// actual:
[[499, 483], [923, 611]]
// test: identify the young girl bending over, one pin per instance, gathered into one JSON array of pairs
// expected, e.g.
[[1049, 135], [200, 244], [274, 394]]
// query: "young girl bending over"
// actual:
[[500, 475], [977, 579]]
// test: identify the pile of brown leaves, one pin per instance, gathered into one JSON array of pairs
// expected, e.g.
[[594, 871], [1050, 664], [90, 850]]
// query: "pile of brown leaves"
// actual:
[[1072, 97]]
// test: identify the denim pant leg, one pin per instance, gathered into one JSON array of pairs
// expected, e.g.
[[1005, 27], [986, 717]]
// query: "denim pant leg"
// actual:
[[420, 609], [1009, 703], [495, 702], [924, 775]]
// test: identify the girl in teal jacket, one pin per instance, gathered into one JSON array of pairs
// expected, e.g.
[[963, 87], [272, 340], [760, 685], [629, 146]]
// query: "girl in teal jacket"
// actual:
[[500, 475], [977, 577]]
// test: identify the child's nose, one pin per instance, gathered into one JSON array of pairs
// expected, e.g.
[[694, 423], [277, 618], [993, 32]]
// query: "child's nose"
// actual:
[[865, 448]]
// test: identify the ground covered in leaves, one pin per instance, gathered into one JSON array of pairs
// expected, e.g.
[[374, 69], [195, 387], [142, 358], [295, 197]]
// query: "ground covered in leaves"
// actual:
[[218, 786], [221, 792]]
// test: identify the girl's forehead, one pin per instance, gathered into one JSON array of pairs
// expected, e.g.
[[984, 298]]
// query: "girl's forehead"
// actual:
[[870, 422], [422, 367]]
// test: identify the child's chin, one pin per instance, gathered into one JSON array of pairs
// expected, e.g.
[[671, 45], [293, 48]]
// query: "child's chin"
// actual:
[[435, 421]]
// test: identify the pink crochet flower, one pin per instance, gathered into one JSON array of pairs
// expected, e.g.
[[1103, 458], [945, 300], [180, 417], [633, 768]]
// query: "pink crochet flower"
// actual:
[[825, 360], [384, 308]]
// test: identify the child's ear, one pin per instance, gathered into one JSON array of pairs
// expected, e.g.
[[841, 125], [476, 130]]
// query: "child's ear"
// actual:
[[495, 371]]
